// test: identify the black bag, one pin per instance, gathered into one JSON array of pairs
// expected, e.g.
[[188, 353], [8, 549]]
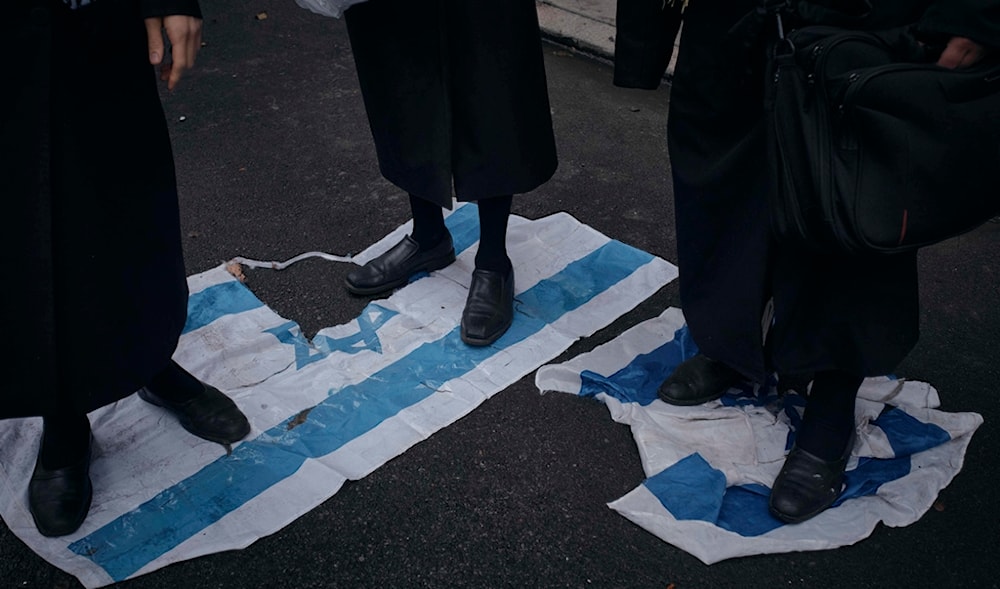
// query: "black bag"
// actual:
[[871, 151]]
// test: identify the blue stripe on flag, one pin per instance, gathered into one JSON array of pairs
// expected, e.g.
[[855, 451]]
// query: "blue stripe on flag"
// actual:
[[135, 539], [463, 224], [227, 298], [290, 334], [372, 317], [689, 489], [748, 394], [872, 473], [641, 378], [745, 511], [908, 435], [639, 381], [230, 298]]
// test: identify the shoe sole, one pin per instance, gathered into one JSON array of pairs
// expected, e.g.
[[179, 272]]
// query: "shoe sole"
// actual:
[[430, 266]]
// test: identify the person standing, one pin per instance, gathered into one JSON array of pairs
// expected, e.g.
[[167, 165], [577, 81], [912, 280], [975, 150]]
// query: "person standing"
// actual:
[[458, 106], [836, 318], [92, 233]]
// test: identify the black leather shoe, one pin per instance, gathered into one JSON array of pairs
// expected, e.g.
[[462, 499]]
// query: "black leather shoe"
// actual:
[[697, 380], [59, 499], [807, 485], [211, 415], [489, 310], [396, 266]]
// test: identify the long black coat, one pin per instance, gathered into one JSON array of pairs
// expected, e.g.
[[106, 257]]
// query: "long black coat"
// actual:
[[456, 96], [95, 295], [830, 312]]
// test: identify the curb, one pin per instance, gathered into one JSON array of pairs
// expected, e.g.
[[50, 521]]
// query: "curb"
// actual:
[[587, 26], [587, 33]]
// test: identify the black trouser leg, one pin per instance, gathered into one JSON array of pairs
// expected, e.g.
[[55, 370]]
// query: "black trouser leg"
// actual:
[[829, 416], [175, 384], [65, 437], [428, 222], [493, 215]]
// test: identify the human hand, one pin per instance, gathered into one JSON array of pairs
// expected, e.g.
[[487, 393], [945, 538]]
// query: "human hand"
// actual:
[[961, 53], [184, 34]]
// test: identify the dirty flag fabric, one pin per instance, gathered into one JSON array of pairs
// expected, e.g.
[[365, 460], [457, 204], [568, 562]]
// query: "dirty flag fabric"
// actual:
[[325, 410], [709, 468], [333, 8]]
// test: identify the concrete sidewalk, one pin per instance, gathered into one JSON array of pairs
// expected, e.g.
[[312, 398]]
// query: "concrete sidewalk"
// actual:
[[586, 25]]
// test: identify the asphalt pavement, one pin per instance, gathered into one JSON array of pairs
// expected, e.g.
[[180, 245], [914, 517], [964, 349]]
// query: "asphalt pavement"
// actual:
[[274, 158]]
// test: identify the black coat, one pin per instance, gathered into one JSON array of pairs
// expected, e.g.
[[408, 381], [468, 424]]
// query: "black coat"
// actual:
[[830, 312], [646, 29], [456, 96], [95, 295]]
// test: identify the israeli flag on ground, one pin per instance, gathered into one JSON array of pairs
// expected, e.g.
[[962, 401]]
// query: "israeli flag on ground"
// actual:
[[709, 468], [324, 410]]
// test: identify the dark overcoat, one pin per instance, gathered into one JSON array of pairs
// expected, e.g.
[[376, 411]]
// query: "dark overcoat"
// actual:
[[456, 95], [95, 296], [858, 314]]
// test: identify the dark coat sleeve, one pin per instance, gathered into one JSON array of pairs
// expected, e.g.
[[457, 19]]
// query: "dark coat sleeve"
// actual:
[[644, 41], [150, 8], [978, 20]]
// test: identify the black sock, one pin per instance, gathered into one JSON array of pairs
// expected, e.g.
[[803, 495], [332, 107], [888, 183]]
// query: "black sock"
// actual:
[[65, 438], [175, 384], [828, 421], [493, 215], [428, 223]]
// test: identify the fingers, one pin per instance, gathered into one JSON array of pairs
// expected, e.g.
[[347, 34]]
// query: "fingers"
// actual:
[[165, 71], [184, 33], [961, 53], [154, 39]]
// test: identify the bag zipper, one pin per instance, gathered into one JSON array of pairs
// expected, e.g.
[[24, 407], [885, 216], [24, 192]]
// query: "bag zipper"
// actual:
[[836, 120]]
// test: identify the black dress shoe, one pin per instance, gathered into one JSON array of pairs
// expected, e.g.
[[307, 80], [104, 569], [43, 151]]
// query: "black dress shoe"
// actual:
[[698, 380], [807, 485], [210, 415], [396, 266], [59, 499], [489, 310]]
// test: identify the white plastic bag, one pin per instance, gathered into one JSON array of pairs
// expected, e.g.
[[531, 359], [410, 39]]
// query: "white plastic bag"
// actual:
[[332, 8]]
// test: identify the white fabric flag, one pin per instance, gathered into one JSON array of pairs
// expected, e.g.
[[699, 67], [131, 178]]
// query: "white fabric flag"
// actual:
[[332, 8], [325, 410], [710, 468]]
